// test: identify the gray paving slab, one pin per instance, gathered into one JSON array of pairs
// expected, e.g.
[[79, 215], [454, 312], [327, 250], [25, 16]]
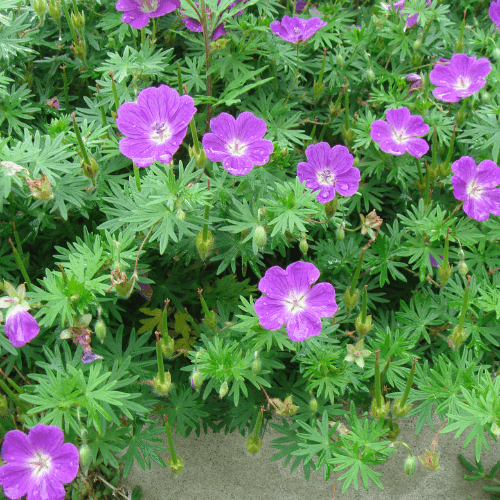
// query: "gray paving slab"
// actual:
[[219, 467]]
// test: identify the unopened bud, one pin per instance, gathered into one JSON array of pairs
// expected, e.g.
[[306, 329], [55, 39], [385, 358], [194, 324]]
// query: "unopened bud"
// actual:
[[79, 49], [55, 10], [351, 300], [85, 456], [410, 465], [331, 208], [303, 245], [78, 20], [463, 268], [176, 467], [260, 237], [90, 169], [495, 429], [167, 346], [313, 405], [254, 444], [39, 6], [400, 411], [496, 53], [340, 60], [340, 234], [202, 245], [444, 272], [163, 388], [224, 388], [181, 215], [196, 380], [100, 330], [210, 320], [370, 75], [4, 406], [458, 337], [416, 44], [257, 364], [40, 188]]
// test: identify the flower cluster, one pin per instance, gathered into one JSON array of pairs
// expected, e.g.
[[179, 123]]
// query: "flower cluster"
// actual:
[[476, 186], [237, 143], [295, 29], [401, 133], [329, 170], [38, 464], [459, 77], [288, 298], [138, 12], [155, 125]]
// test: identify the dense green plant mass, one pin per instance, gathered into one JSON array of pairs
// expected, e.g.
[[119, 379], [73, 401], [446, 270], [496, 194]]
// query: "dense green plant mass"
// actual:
[[144, 281]]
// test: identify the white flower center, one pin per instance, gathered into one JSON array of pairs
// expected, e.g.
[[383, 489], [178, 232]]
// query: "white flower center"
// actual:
[[295, 302], [325, 177], [236, 148], [400, 136], [149, 5], [297, 31], [160, 132], [462, 83], [357, 353], [40, 463], [474, 190]]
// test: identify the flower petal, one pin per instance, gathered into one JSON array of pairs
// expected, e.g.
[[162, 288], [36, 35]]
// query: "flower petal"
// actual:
[[301, 275], [417, 147], [15, 479], [347, 183], [224, 126], [303, 325], [271, 311], [321, 300], [249, 128], [317, 155]]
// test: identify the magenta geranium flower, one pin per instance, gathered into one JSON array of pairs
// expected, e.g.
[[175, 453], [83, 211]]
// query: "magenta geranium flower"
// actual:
[[329, 170], [399, 6], [416, 80], [476, 186], [296, 29], [38, 464], [237, 143], [494, 13], [400, 133], [138, 12], [461, 77], [288, 298], [20, 326], [155, 125]]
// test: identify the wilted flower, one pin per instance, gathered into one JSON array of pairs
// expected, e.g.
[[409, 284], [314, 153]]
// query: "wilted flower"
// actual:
[[20, 326], [138, 12], [430, 460], [476, 186], [371, 223], [357, 353], [288, 298], [52, 102], [434, 262], [494, 13], [416, 80], [329, 170], [40, 188], [237, 143], [155, 125], [296, 29], [461, 77], [399, 6], [38, 464], [300, 5], [401, 133]]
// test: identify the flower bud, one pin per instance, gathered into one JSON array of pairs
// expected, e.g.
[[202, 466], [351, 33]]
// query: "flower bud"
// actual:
[[210, 320], [379, 412], [340, 60], [90, 169], [304, 247], [363, 328], [287, 408], [457, 337], [410, 465], [55, 10], [351, 300], [100, 330], [224, 388], [39, 6], [254, 444], [3, 404], [85, 456], [313, 405], [463, 269], [495, 429], [400, 411], [318, 89], [78, 20], [176, 467], [459, 46], [340, 234], [444, 272], [202, 245], [370, 75], [196, 380], [79, 49], [260, 237], [163, 389], [416, 44], [331, 207], [257, 364], [485, 97], [181, 215], [167, 346], [40, 188], [496, 53]]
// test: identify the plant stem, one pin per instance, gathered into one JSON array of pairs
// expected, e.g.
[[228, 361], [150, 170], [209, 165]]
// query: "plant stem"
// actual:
[[20, 264], [408, 383], [363, 307], [465, 305], [296, 76], [66, 91], [80, 140], [159, 359], [137, 177], [168, 431], [378, 395], [68, 19]]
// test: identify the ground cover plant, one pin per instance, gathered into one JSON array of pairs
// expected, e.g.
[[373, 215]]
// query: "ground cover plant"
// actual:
[[215, 210]]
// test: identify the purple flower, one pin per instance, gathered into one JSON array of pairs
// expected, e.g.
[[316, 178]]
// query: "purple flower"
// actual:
[[494, 13], [416, 80], [290, 299], [399, 6], [400, 133], [434, 262], [476, 186], [461, 77], [138, 12], [300, 5], [237, 143], [20, 326], [38, 464], [329, 170], [155, 125], [296, 29]]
